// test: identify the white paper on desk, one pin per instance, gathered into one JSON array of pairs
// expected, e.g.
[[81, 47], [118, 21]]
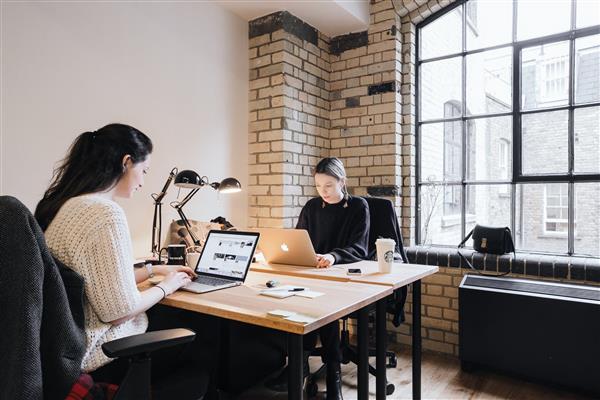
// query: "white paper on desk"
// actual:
[[280, 294], [283, 288], [308, 293], [281, 313], [303, 319]]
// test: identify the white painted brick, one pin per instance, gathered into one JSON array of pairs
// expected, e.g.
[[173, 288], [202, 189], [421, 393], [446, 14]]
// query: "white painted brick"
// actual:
[[271, 113], [258, 148], [259, 126], [383, 149], [353, 151], [379, 129], [259, 83], [259, 40], [359, 91]]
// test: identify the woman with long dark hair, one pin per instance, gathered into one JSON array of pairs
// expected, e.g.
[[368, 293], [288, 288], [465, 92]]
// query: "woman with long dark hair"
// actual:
[[338, 226], [87, 231]]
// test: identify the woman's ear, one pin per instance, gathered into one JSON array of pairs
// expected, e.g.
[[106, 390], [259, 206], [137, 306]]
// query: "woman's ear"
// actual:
[[127, 162]]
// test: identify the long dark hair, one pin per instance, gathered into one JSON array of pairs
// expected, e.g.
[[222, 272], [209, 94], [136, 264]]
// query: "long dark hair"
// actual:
[[93, 164]]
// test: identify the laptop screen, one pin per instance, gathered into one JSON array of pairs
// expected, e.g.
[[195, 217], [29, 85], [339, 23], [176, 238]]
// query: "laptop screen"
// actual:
[[227, 254]]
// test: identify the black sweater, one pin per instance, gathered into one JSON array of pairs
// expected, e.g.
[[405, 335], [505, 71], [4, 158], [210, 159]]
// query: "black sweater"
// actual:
[[337, 230]]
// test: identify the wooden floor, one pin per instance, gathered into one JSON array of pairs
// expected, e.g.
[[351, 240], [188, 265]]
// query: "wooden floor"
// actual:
[[442, 378]]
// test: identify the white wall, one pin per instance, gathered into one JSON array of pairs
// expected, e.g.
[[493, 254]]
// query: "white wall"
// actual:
[[178, 72]]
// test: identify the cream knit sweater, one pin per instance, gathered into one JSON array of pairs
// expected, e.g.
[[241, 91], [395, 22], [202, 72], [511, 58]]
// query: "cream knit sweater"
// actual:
[[90, 235]]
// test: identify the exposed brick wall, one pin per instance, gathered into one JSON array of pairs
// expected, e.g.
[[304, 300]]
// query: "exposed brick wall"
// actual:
[[307, 102], [289, 122], [353, 100]]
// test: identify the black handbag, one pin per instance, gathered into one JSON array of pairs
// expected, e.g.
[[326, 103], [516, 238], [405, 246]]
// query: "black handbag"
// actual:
[[488, 239]]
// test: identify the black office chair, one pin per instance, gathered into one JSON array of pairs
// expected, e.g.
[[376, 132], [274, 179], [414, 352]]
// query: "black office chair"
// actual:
[[43, 340], [384, 223]]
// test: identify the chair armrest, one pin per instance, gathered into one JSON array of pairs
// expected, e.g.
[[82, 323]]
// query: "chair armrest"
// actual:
[[147, 342]]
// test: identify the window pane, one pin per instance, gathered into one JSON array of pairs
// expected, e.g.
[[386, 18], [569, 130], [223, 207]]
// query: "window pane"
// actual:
[[489, 149], [537, 229], [441, 148], [489, 23], [541, 18], [487, 205], [587, 140], [440, 214], [587, 218], [587, 69], [545, 147], [489, 82], [545, 76], [588, 13], [440, 84], [442, 36]]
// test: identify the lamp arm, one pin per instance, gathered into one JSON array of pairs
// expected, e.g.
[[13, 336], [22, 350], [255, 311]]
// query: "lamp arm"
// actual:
[[178, 205], [158, 197], [156, 227], [188, 197], [187, 225], [157, 218]]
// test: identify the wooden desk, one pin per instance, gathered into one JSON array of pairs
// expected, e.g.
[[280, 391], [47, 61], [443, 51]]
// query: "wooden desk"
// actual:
[[401, 275], [244, 304]]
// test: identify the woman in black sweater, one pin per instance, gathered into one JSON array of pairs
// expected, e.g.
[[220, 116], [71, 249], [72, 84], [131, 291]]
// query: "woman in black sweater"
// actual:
[[338, 226]]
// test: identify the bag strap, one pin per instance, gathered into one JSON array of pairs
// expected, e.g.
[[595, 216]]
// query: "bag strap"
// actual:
[[462, 245], [511, 241]]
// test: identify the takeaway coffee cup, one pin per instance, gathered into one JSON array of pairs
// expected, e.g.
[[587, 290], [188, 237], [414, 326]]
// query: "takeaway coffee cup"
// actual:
[[385, 254], [175, 254]]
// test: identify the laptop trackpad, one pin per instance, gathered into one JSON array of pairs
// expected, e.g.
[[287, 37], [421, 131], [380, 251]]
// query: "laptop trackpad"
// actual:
[[201, 288]]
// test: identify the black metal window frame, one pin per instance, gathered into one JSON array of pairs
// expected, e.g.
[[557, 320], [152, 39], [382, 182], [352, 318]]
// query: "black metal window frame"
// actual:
[[516, 113]]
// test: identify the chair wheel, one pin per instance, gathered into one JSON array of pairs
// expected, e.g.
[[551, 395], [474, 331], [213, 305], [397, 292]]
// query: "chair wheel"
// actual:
[[389, 389], [311, 389]]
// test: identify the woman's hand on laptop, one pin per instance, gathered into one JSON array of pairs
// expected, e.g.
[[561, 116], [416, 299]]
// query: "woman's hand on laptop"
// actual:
[[167, 269], [173, 281], [325, 260]]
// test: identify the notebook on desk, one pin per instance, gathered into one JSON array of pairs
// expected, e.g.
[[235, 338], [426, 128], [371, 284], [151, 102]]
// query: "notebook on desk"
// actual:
[[287, 246], [224, 261]]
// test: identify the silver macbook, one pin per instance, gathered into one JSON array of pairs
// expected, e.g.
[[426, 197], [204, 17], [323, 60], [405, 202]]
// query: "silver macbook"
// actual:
[[224, 261], [287, 246]]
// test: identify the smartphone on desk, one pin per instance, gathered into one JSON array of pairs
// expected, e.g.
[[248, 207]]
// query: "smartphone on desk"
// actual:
[[354, 271]]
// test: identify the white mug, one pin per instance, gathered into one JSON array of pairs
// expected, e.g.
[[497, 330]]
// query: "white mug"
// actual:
[[385, 254]]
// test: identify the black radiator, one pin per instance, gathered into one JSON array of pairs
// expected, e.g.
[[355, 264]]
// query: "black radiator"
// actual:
[[544, 331]]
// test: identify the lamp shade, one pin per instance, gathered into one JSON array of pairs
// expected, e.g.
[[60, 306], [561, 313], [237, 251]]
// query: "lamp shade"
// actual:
[[188, 179], [229, 185]]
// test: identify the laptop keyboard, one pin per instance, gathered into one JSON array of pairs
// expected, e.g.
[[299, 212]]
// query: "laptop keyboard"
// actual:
[[212, 281]]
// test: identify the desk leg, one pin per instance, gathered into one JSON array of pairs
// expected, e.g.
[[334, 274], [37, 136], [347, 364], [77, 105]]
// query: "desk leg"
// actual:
[[363, 354], [380, 348], [416, 340], [295, 366]]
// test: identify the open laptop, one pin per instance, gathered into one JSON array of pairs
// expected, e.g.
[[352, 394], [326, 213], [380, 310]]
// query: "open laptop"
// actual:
[[287, 246], [224, 261]]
